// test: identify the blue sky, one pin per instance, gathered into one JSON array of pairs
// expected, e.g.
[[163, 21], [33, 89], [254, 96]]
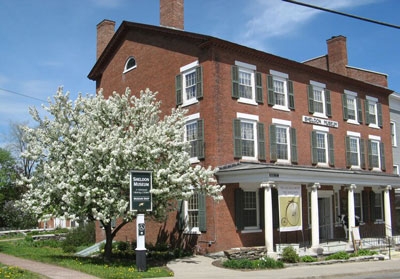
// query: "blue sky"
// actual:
[[45, 44]]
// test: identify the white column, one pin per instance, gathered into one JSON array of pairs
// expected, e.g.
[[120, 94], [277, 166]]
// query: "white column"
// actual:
[[140, 237], [314, 215], [268, 221], [388, 215], [350, 208]]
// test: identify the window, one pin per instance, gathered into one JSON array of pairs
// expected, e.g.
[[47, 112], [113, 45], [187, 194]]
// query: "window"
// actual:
[[192, 214], [248, 202], [194, 131], [129, 64], [396, 169], [189, 84], [319, 100], [352, 110], [280, 91], [246, 83], [373, 112], [376, 206], [249, 137], [358, 205], [322, 146], [393, 133], [355, 157], [376, 153], [283, 143]]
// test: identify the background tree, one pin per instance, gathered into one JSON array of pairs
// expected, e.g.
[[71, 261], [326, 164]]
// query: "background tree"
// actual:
[[87, 148]]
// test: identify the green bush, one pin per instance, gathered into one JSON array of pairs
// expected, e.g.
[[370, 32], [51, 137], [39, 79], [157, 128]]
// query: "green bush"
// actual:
[[289, 255], [80, 236], [263, 263], [363, 252], [307, 259], [341, 255]]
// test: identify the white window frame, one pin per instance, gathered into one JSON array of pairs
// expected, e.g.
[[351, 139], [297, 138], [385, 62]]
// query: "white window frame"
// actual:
[[324, 131], [188, 120], [253, 119], [380, 194], [282, 77], [396, 169], [126, 69], [393, 133], [284, 124], [352, 95], [372, 101], [320, 87], [377, 140], [249, 69], [356, 136], [186, 70], [188, 229], [256, 228], [358, 192]]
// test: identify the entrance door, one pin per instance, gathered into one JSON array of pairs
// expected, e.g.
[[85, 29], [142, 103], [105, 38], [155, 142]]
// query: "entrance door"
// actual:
[[325, 218]]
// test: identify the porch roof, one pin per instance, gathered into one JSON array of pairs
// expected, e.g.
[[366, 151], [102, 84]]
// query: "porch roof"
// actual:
[[247, 172]]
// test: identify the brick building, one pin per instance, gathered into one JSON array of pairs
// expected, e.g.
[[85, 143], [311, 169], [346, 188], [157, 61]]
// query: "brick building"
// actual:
[[297, 144]]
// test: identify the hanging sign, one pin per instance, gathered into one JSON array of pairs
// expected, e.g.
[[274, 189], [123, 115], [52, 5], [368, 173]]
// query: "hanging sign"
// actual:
[[290, 217], [140, 187]]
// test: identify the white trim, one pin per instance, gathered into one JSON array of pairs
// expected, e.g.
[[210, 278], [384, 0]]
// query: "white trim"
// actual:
[[318, 84], [189, 66], [369, 98], [353, 134], [351, 93], [282, 122], [192, 117], [279, 74], [372, 137], [245, 65], [247, 116], [319, 128]]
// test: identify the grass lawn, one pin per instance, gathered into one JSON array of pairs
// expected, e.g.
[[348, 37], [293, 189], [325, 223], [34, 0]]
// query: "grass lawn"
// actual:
[[12, 272], [118, 269]]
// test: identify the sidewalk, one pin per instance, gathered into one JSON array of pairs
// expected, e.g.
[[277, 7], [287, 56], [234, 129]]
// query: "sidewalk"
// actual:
[[51, 271]]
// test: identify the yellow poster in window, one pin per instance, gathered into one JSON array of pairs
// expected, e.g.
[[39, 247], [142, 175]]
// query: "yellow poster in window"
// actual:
[[290, 217]]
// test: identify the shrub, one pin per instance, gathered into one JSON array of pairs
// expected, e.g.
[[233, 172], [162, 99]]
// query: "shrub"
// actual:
[[289, 255], [342, 255], [263, 263], [307, 259], [81, 236], [363, 252]]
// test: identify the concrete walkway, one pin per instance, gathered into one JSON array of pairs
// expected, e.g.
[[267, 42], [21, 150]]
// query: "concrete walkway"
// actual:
[[48, 270]]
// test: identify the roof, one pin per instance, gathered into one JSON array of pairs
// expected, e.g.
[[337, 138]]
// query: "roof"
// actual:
[[204, 41]]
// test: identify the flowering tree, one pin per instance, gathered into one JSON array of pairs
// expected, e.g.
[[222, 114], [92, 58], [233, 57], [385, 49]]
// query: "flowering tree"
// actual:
[[86, 149]]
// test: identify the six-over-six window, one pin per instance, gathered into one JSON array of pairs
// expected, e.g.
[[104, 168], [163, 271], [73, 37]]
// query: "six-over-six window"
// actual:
[[249, 133]]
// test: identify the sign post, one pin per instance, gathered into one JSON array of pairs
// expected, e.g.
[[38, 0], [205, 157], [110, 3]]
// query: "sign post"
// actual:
[[140, 201]]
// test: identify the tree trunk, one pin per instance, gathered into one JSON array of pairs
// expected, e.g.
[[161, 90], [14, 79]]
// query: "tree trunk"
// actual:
[[109, 240]]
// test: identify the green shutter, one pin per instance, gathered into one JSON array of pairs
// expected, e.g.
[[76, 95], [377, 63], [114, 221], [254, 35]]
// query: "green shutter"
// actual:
[[314, 147], [331, 150], [379, 111], [261, 141], [328, 103], [200, 139], [368, 204], [202, 213], [262, 205], [367, 116], [271, 95], [181, 214], [237, 139], [362, 153], [359, 110], [239, 204], [275, 208], [348, 153], [293, 143], [344, 105], [235, 82], [199, 82], [259, 88], [382, 151], [178, 90], [310, 91], [291, 94], [272, 143]]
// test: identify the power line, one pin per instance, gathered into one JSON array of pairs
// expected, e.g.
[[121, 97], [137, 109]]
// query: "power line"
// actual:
[[343, 14], [23, 95]]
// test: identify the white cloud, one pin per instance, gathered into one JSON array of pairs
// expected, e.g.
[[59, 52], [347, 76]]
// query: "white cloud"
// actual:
[[279, 18]]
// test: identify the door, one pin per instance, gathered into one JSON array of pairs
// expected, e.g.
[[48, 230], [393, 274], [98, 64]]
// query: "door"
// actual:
[[325, 218]]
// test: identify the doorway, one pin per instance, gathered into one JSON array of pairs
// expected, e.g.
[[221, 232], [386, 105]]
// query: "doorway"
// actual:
[[325, 217]]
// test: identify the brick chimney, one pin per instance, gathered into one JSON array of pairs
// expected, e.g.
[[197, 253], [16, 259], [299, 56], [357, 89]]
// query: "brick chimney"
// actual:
[[171, 13], [105, 31], [337, 55]]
